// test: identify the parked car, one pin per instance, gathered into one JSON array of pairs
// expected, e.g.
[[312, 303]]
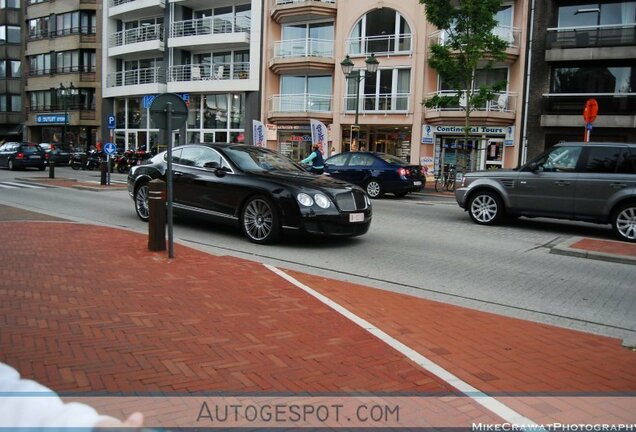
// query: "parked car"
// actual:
[[592, 182], [17, 155], [378, 173], [258, 189], [56, 153]]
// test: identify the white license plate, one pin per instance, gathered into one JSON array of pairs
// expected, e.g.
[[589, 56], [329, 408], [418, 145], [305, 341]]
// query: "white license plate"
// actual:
[[417, 183], [356, 217], [35, 157]]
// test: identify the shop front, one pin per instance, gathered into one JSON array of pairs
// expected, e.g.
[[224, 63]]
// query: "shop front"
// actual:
[[394, 140], [293, 141], [50, 128], [487, 147]]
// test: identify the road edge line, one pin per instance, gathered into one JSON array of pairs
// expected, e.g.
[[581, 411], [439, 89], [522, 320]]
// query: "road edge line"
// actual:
[[488, 402]]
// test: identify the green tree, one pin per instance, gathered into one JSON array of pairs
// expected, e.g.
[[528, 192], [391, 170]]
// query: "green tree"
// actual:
[[468, 45]]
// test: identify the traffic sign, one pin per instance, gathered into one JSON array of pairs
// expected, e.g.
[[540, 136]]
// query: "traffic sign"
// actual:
[[159, 111], [590, 111], [110, 148], [111, 122]]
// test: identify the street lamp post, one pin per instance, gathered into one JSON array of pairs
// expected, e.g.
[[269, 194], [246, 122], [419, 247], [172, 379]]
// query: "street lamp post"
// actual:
[[347, 68]]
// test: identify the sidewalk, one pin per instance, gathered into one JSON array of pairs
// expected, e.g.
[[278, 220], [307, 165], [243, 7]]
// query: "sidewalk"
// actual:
[[89, 308]]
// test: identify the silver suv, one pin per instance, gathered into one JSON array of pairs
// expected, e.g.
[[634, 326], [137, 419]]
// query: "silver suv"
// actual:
[[592, 182]]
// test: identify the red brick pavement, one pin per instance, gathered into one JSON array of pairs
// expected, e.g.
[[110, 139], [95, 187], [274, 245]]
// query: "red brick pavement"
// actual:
[[606, 246], [488, 351], [96, 311]]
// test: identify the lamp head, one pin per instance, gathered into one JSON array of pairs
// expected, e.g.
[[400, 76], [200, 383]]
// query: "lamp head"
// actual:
[[372, 63], [347, 65]]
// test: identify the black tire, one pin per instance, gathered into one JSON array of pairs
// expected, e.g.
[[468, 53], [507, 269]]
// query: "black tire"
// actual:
[[624, 222], [121, 168], [76, 165], [400, 194], [374, 188], [260, 221], [141, 202], [11, 165], [485, 208]]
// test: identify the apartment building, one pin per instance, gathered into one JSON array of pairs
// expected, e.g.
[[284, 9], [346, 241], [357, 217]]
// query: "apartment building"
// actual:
[[582, 50], [208, 52], [62, 72], [307, 40], [11, 107]]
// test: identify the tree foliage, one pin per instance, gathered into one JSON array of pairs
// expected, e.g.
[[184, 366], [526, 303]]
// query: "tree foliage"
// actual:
[[469, 44]]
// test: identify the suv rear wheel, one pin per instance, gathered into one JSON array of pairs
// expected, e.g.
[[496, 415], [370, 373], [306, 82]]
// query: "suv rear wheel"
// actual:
[[624, 222], [485, 208]]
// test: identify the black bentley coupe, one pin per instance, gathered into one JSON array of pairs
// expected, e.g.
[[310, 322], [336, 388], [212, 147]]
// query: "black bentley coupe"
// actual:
[[262, 191]]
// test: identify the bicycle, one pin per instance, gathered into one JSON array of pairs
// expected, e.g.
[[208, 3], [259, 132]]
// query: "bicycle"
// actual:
[[447, 182]]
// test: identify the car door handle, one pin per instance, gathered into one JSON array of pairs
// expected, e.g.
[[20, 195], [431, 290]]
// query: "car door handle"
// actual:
[[562, 183], [618, 185], [177, 173]]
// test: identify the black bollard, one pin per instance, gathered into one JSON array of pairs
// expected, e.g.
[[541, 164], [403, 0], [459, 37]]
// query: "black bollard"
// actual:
[[51, 169], [104, 170], [156, 215]]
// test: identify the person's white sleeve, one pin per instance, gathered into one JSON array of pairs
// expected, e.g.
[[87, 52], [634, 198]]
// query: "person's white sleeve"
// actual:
[[27, 404]]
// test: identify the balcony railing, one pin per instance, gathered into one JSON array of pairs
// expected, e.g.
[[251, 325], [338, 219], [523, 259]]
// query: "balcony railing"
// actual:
[[114, 3], [284, 2], [300, 103], [204, 72], [572, 104], [501, 102], [140, 34], [82, 31], [303, 48], [591, 36], [509, 34], [136, 77], [384, 102], [210, 25], [380, 45]]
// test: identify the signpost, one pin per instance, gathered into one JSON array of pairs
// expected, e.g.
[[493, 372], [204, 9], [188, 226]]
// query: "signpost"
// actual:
[[589, 115], [110, 149], [169, 112]]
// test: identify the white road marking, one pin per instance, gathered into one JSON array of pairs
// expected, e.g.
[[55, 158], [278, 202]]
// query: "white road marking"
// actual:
[[490, 403], [23, 185]]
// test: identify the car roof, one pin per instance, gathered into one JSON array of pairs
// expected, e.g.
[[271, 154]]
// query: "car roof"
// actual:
[[596, 144]]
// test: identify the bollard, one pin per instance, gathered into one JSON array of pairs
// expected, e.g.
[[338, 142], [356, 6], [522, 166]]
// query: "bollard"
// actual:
[[157, 215], [103, 169], [51, 169]]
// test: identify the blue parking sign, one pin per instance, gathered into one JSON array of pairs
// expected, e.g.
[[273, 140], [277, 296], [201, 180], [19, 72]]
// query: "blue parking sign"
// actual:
[[111, 122]]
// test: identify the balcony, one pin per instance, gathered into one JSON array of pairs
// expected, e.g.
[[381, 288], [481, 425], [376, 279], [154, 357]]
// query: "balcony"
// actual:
[[290, 107], [565, 110], [501, 109], [210, 32], [145, 39], [302, 56], [591, 43], [302, 10], [135, 9], [384, 103], [380, 45], [40, 79], [512, 35], [209, 78], [136, 81]]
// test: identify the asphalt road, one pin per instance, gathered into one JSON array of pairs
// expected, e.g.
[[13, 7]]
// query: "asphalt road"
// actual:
[[422, 245]]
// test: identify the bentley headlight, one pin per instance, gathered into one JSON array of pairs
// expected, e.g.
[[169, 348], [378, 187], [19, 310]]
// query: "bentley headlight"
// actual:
[[322, 201], [305, 199]]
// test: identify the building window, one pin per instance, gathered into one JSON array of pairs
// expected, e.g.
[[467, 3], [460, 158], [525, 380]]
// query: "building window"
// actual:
[[593, 79], [10, 103], [9, 4], [386, 90], [9, 34], [223, 65], [597, 14], [10, 69], [306, 40], [84, 22], [382, 31], [305, 93]]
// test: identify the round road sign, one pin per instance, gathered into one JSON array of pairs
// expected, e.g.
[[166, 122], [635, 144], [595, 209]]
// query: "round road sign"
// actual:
[[110, 148], [590, 111], [159, 111]]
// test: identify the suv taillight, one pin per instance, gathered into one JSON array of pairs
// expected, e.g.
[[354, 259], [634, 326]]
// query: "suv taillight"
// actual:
[[19, 156]]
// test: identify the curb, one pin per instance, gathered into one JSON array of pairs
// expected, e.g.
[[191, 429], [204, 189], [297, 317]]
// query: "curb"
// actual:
[[44, 179], [99, 188], [565, 248]]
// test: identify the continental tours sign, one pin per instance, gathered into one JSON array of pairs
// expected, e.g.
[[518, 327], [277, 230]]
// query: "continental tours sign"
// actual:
[[429, 132]]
